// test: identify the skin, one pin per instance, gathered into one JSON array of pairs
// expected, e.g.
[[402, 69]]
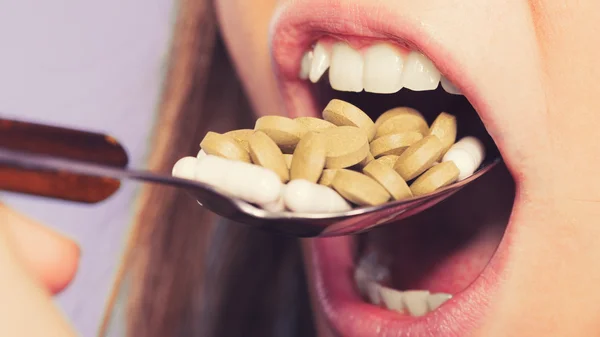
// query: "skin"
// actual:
[[549, 285], [545, 130], [35, 263]]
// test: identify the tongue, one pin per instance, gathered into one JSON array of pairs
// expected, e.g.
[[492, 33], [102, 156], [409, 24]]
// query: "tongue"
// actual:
[[439, 262], [446, 248]]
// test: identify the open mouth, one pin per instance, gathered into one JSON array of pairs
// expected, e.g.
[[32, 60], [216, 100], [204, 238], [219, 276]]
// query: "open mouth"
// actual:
[[433, 273]]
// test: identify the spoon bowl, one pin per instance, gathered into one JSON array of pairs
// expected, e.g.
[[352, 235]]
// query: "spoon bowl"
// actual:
[[88, 167], [63, 171]]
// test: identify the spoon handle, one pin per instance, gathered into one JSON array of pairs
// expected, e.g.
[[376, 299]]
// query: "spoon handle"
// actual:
[[22, 141], [62, 142]]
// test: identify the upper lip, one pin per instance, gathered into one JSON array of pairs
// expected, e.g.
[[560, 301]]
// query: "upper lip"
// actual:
[[298, 25], [295, 28]]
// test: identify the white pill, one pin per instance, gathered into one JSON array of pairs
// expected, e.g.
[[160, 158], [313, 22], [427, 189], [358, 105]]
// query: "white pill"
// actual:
[[463, 160], [252, 183], [277, 205], [306, 197], [201, 154], [185, 168], [468, 154], [474, 146]]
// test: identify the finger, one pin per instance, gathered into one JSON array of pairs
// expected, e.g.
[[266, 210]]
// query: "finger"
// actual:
[[51, 257], [27, 308]]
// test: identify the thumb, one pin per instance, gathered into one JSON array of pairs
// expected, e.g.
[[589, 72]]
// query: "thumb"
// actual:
[[52, 258], [23, 298]]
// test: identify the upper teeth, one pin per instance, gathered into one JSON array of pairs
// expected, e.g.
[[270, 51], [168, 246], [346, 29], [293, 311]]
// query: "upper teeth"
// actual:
[[449, 87], [306, 65], [383, 66], [319, 63], [419, 73], [346, 70], [381, 69]]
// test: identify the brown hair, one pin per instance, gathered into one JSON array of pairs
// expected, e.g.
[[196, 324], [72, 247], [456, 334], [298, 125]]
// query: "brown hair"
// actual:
[[187, 275]]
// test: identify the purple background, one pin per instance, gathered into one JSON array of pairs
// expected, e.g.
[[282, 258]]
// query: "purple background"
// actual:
[[96, 65]]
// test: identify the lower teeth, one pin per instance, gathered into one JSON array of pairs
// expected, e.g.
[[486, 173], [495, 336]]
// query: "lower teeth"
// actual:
[[369, 276]]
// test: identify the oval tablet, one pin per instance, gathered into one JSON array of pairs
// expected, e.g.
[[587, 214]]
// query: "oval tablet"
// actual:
[[266, 153], [359, 189], [346, 146], [389, 160], [223, 146], [241, 136], [343, 113], [327, 177], [435, 178], [288, 160], [304, 196], [308, 160], [314, 124], [285, 132], [402, 122], [369, 158], [419, 157], [394, 144], [444, 127], [395, 112], [389, 179]]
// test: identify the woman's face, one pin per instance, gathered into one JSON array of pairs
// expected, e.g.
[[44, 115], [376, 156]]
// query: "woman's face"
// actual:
[[517, 251]]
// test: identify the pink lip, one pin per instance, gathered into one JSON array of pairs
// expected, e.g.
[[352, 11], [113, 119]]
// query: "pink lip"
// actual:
[[297, 27], [350, 316], [301, 24]]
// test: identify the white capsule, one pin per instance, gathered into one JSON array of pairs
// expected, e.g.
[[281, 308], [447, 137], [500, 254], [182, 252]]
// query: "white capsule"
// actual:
[[201, 154], [474, 146], [468, 154], [252, 183], [185, 168], [277, 205], [306, 197]]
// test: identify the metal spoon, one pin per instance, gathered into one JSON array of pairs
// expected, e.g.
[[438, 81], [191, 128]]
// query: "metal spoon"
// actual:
[[65, 175]]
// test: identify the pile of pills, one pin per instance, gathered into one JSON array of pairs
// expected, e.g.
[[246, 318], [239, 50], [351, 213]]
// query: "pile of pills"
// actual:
[[332, 164]]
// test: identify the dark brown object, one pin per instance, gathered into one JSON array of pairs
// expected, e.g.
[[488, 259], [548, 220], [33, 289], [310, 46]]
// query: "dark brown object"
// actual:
[[60, 143], [57, 185]]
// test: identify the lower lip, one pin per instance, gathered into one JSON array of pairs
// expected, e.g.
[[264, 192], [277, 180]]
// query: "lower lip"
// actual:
[[347, 313]]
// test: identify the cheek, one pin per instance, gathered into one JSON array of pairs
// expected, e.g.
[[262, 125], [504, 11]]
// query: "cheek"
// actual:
[[564, 33], [245, 29]]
